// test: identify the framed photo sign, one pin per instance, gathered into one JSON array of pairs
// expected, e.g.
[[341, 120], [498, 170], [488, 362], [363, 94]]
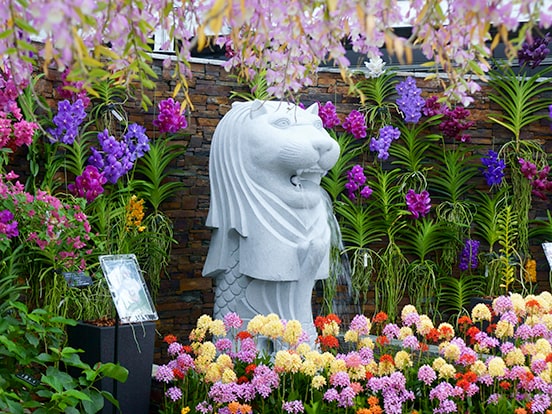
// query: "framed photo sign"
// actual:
[[128, 288]]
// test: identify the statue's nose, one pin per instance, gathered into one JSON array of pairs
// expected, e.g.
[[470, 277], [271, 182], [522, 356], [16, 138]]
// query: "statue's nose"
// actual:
[[323, 145], [328, 152]]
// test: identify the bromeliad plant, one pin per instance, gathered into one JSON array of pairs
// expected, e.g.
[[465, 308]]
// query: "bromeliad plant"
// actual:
[[375, 366]]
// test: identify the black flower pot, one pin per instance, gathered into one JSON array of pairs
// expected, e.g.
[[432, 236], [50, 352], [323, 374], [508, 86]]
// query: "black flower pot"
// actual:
[[131, 345]]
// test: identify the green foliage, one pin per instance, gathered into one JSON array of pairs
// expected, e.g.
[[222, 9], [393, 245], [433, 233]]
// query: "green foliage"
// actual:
[[359, 224], [391, 270], [30, 103], [497, 224], [422, 243], [521, 98], [153, 184], [33, 373], [376, 93], [152, 181], [422, 288], [452, 183], [107, 109], [456, 292], [541, 229], [330, 284], [412, 150], [388, 200], [363, 266], [424, 239], [258, 88], [507, 224], [489, 205], [453, 175], [10, 270], [334, 181]]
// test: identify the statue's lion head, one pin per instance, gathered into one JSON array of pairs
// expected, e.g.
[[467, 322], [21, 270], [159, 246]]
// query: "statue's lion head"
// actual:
[[266, 162]]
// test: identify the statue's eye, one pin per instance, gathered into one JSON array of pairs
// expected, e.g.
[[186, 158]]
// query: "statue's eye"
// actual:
[[318, 124], [282, 123]]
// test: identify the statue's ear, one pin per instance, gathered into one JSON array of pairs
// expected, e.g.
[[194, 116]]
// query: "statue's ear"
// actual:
[[258, 108], [313, 109]]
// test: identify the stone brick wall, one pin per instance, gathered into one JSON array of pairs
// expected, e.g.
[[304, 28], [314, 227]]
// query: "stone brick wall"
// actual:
[[184, 294]]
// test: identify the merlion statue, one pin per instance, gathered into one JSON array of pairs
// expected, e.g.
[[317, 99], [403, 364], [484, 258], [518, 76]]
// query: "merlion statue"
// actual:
[[270, 217]]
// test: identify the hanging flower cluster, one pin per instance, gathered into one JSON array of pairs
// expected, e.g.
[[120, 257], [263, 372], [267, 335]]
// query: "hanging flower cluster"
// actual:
[[170, 118], [135, 214], [531, 270], [357, 179], [493, 168], [374, 67], [410, 101], [8, 226], [355, 124], [117, 157], [538, 179], [67, 121], [328, 115], [58, 230], [454, 123], [387, 135], [433, 107], [534, 51], [419, 204], [15, 131], [89, 184], [468, 256]]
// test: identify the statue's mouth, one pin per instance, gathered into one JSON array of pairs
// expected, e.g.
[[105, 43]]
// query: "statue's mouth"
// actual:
[[307, 176]]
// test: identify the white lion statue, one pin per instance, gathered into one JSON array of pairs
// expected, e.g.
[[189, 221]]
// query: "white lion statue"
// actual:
[[270, 217]]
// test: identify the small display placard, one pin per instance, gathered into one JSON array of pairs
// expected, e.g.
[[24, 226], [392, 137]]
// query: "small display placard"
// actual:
[[128, 288], [77, 279]]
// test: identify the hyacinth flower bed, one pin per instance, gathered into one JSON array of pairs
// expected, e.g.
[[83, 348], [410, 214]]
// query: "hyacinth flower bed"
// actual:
[[375, 366]]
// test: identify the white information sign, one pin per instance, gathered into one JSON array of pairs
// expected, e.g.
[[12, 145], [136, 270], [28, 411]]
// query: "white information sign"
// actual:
[[128, 288]]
